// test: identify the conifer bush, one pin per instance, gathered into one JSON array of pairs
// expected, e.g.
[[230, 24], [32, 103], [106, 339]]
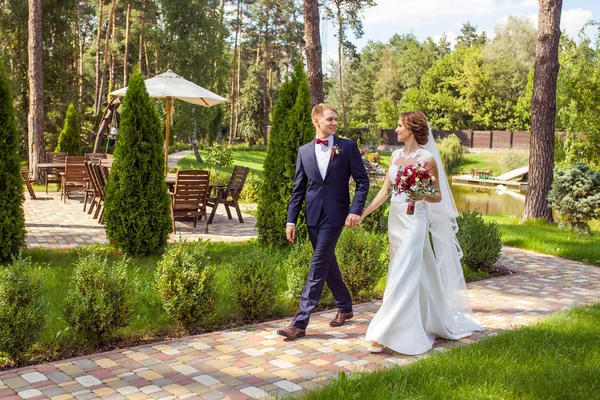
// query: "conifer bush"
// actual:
[[362, 261], [253, 283], [480, 241], [451, 153], [137, 207], [69, 139], [100, 296], [291, 128], [575, 194], [12, 218], [22, 310], [184, 280]]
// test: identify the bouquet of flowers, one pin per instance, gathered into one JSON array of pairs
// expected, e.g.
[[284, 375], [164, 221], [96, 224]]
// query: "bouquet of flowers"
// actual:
[[414, 180]]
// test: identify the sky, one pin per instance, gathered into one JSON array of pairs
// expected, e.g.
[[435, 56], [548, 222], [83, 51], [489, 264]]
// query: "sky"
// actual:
[[433, 18]]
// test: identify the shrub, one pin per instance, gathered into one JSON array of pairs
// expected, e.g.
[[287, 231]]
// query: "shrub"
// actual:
[[22, 311], [373, 157], [451, 153], [12, 218], [99, 297], [513, 160], [359, 254], [137, 206], [376, 222], [69, 139], [184, 280], [480, 241], [252, 284], [291, 128], [361, 135], [575, 194], [251, 188], [296, 267], [219, 156]]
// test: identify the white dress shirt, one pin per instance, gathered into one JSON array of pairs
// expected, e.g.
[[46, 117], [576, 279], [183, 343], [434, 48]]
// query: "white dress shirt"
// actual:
[[323, 154]]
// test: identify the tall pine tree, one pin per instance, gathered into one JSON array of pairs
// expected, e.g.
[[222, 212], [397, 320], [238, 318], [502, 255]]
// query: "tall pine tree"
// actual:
[[137, 215], [291, 128], [69, 140], [12, 219]]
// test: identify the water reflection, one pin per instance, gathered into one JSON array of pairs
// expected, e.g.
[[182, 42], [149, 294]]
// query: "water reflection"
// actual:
[[487, 201]]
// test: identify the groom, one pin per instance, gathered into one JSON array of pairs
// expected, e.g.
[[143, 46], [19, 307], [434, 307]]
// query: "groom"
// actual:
[[326, 165]]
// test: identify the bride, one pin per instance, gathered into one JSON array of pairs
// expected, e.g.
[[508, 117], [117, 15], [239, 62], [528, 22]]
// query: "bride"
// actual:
[[426, 295]]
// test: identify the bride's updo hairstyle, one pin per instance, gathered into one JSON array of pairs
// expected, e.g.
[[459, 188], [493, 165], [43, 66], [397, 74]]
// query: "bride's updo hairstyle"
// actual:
[[416, 122]]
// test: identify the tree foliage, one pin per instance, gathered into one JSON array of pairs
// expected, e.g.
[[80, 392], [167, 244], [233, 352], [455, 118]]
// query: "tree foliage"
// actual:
[[575, 194], [12, 219], [137, 215], [291, 128], [69, 140]]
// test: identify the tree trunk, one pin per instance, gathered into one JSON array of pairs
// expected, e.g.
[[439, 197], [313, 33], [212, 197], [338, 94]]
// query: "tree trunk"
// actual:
[[106, 53], [233, 72], [126, 44], [340, 65], [141, 44], [195, 138], [313, 51], [543, 112], [35, 117], [264, 84], [97, 89]]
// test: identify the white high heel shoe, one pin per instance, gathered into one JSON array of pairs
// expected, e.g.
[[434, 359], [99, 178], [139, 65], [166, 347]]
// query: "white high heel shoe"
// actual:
[[375, 348]]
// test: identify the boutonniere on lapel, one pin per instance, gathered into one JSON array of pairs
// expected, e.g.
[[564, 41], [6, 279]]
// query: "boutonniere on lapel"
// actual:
[[335, 150]]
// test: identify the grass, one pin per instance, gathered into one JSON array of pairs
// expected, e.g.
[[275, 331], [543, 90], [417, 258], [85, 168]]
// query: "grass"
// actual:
[[557, 358], [483, 162], [546, 238], [251, 159]]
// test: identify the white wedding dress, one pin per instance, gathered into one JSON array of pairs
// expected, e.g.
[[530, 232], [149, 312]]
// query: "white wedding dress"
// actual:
[[424, 298]]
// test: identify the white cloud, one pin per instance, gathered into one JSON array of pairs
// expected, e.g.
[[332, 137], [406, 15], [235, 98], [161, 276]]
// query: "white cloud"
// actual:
[[573, 20], [414, 13]]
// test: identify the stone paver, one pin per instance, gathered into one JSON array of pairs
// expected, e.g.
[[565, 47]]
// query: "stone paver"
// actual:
[[51, 223]]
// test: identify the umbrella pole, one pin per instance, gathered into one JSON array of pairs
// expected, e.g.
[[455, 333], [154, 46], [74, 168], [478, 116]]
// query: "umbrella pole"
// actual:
[[168, 123]]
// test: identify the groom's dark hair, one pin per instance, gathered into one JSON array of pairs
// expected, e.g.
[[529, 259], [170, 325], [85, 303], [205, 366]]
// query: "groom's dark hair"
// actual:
[[319, 109], [416, 122]]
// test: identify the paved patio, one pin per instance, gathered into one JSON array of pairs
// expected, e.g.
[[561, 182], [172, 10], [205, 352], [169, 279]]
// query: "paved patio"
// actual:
[[253, 362]]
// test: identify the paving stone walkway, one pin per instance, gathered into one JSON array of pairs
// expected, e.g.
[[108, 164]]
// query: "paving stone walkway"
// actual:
[[253, 362]]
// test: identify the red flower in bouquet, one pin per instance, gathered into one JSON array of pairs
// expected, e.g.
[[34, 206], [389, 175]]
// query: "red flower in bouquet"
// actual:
[[414, 180]]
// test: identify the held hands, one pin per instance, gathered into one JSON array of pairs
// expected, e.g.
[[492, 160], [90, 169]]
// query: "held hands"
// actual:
[[353, 220]]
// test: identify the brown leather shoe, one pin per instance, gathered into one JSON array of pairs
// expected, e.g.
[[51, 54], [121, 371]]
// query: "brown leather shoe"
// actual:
[[340, 318], [291, 332]]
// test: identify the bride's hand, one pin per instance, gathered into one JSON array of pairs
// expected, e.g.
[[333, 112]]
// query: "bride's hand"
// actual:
[[414, 198]]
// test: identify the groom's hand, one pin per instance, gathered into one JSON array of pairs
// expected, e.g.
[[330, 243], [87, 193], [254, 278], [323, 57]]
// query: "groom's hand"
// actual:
[[352, 220], [290, 232]]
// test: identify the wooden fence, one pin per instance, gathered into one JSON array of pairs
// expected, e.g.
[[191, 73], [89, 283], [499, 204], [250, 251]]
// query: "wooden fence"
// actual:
[[473, 139]]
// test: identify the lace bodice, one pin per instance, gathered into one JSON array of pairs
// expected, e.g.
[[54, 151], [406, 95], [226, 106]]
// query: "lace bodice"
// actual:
[[419, 156]]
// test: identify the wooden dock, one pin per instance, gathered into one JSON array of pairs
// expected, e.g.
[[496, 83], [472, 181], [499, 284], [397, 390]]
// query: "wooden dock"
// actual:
[[468, 180]]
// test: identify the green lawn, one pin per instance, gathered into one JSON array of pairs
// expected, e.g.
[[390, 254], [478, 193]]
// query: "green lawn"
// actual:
[[251, 159], [558, 358], [547, 238], [483, 162]]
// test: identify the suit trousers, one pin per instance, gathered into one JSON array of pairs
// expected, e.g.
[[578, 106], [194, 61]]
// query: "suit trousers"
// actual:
[[323, 268]]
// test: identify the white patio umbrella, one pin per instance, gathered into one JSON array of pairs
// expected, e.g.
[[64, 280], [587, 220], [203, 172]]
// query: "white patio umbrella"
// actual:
[[170, 86]]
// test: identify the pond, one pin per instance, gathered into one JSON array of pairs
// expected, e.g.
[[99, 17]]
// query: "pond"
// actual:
[[489, 202]]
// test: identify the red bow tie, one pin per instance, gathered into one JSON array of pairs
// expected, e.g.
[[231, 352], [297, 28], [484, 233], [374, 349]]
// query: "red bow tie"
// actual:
[[324, 141]]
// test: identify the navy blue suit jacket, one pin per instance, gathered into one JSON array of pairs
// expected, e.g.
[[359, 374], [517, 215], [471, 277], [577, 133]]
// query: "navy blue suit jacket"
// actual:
[[332, 193]]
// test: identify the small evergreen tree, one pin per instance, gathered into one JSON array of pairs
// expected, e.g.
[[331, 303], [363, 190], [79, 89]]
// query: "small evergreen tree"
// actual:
[[291, 128], [575, 194], [12, 219], [69, 140], [137, 205]]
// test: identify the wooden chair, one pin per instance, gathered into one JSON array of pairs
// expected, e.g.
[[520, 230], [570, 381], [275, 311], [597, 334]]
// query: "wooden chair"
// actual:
[[53, 175], [229, 195], [75, 177], [95, 156], [188, 199], [28, 181]]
